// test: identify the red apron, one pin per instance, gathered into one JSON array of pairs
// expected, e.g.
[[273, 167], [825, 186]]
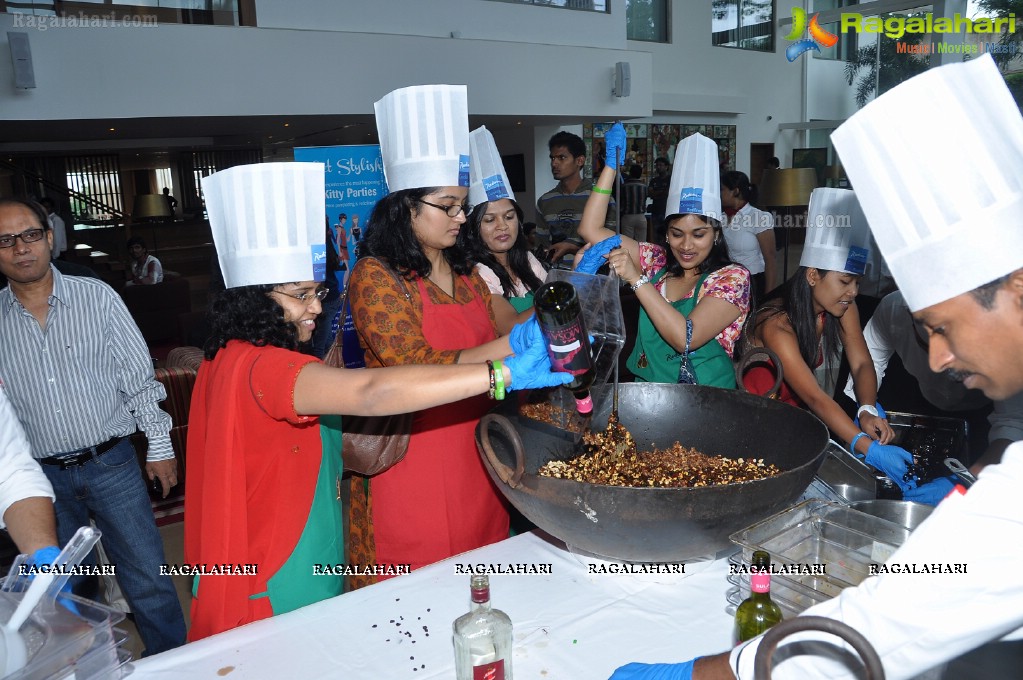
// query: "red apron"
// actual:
[[439, 501]]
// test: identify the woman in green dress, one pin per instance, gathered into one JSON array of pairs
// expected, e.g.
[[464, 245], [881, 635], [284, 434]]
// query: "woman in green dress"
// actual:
[[693, 297]]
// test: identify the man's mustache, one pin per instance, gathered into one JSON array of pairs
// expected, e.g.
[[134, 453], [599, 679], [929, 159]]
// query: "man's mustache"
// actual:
[[958, 376]]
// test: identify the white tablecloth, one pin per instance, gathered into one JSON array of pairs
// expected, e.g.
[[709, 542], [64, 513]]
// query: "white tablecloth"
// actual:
[[568, 624]]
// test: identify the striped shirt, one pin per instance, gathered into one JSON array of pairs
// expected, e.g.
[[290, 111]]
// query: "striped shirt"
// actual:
[[87, 377], [558, 214]]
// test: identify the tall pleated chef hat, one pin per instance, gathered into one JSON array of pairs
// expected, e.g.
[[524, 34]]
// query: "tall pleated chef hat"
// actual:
[[424, 136], [695, 178], [837, 236], [935, 162], [268, 222], [487, 179]]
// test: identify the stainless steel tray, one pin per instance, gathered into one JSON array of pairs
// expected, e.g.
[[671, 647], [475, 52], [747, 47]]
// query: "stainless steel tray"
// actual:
[[844, 541]]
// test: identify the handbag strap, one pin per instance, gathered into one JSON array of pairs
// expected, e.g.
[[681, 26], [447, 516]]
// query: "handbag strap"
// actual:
[[333, 356]]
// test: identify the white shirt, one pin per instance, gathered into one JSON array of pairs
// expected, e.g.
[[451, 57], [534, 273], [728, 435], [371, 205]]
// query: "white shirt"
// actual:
[[891, 331], [918, 621], [59, 235], [20, 475], [741, 236], [519, 289]]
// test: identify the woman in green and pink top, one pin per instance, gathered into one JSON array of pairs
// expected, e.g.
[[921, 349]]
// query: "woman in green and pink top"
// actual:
[[690, 292]]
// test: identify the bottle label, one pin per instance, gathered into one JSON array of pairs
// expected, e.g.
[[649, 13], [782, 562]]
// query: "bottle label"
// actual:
[[568, 348], [760, 582], [489, 671]]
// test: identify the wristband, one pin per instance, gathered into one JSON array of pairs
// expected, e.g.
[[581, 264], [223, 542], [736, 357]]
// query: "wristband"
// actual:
[[852, 444], [493, 380], [598, 190], [498, 381], [641, 281], [867, 408]]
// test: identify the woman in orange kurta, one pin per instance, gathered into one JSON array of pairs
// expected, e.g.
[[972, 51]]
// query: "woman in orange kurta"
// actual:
[[438, 501]]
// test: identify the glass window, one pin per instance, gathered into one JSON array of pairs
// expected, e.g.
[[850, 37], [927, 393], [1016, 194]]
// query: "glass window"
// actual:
[[587, 5], [746, 24], [647, 20], [845, 48]]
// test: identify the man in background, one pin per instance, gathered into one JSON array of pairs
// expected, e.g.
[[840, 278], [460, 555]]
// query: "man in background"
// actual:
[[559, 211], [657, 190], [634, 194]]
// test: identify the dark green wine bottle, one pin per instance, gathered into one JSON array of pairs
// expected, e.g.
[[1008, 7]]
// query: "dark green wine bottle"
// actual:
[[757, 612]]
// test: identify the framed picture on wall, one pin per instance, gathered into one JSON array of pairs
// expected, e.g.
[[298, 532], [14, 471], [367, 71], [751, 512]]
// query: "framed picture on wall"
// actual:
[[812, 158]]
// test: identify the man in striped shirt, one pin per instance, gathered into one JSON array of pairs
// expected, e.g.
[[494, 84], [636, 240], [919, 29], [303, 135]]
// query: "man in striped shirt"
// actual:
[[80, 378], [559, 211]]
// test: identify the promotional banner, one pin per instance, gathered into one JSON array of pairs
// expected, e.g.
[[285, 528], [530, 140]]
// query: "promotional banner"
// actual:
[[354, 182]]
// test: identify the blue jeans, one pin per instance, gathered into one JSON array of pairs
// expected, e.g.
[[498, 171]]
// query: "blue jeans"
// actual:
[[111, 489]]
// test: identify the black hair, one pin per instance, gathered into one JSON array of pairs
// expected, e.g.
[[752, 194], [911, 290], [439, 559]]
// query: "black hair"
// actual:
[[794, 299], [38, 210], [342, 216], [470, 239], [47, 203], [137, 241], [248, 313], [635, 171], [773, 162], [661, 159], [389, 236], [716, 259], [736, 179], [985, 295], [574, 143]]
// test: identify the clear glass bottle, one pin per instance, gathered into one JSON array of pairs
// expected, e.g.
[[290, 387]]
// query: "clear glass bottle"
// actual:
[[482, 638], [758, 612]]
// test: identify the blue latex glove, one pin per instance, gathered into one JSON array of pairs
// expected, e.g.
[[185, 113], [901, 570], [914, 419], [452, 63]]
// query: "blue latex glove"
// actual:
[[892, 460], [524, 335], [532, 369], [46, 556], [932, 492], [614, 146], [880, 414], [655, 671], [594, 257], [43, 556]]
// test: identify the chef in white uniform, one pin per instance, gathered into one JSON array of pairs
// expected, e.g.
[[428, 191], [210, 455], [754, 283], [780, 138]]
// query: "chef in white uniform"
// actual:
[[935, 163]]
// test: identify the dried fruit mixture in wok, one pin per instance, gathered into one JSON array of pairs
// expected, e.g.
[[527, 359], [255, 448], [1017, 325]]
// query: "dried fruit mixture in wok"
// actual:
[[676, 466], [548, 413]]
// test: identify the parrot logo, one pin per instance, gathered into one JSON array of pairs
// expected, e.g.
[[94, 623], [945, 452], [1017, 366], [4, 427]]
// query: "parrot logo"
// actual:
[[818, 36]]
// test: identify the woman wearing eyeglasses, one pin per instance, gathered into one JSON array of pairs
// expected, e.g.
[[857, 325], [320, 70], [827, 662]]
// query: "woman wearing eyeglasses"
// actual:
[[264, 444], [438, 501]]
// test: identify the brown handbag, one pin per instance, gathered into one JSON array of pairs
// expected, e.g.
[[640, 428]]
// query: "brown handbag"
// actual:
[[370, 444]]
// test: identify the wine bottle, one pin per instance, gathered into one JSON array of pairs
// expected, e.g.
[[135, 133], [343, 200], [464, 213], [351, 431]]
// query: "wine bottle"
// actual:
[[758, 612], [568, 344], [482, 638]]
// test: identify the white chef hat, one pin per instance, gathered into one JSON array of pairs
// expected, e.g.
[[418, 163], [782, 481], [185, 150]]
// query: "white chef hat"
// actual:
[[487, 179], [695, 178], [935, 163], [424, 136], [268, 222], [837, 236]]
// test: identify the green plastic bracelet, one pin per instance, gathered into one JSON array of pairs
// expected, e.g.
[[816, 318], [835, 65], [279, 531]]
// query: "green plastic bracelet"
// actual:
[[498, 381], [598, 190]]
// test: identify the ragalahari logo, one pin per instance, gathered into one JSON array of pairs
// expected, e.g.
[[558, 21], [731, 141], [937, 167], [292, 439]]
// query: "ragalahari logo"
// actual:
[[818, 36]]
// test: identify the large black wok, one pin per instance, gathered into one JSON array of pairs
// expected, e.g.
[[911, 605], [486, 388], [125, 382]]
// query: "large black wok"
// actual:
[[656, 524]]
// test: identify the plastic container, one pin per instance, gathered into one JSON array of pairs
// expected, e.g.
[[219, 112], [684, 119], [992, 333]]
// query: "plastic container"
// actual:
[[60, 642]]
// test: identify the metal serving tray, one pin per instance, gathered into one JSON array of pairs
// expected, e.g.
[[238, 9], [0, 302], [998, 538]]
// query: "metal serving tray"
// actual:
[[815, 532]]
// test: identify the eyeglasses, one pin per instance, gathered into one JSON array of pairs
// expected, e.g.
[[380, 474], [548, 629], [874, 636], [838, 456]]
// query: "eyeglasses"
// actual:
[[451, 210], [27, 236], [306, 297]]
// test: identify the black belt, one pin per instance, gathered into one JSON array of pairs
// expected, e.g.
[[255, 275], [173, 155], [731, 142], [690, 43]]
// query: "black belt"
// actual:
[[82, 456]]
